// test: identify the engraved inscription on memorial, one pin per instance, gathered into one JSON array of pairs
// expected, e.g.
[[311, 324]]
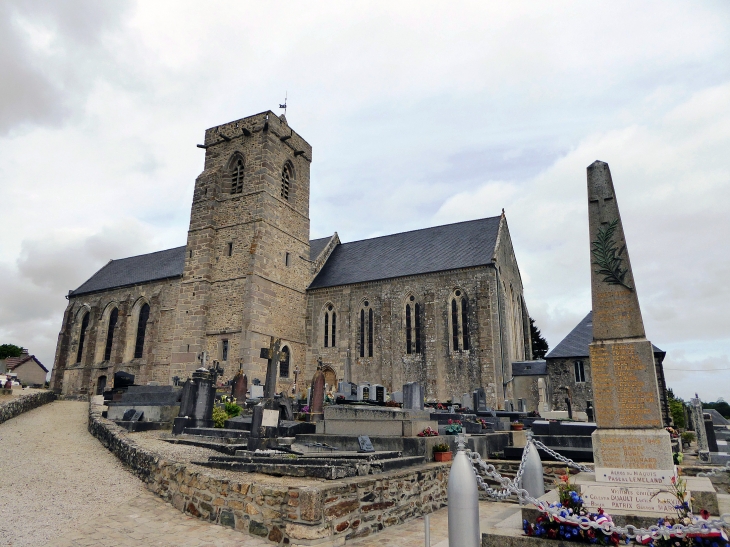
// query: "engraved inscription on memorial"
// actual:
[[625, 453], [614, 315], [634, 499], [623, 396]]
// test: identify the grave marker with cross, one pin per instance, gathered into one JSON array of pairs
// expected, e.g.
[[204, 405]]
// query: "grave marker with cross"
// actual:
[[274, 357]]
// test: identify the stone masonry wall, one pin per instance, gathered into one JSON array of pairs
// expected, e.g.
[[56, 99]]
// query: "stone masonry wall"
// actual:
[[24, 403], [325, 514], [74, 378]]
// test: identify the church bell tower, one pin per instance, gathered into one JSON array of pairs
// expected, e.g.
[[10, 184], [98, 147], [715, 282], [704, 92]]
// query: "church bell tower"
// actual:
[[247, 256]]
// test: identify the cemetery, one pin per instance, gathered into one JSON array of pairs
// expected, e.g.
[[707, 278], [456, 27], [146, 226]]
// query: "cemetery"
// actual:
[[623, 455]]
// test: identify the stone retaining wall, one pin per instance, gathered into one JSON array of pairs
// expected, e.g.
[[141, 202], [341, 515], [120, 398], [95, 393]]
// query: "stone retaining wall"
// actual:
[[24, 403], [324, 515]]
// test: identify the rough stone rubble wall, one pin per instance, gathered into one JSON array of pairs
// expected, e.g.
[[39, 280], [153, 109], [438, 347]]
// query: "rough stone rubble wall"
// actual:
[[326, 513], [24, 403]]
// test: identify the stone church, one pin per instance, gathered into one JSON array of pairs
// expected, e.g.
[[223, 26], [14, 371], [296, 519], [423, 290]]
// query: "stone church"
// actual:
[[443, 305]]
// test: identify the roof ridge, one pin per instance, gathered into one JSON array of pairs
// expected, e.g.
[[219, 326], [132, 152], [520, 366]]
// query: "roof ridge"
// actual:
[[421, 229], [145, 254]]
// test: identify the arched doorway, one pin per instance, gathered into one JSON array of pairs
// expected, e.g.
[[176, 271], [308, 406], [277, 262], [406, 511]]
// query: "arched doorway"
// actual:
[[330, 378], [101, 385]]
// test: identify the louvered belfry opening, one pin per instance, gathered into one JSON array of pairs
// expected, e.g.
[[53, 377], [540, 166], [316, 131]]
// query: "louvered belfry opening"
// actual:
[[286, 177], [237, 177]]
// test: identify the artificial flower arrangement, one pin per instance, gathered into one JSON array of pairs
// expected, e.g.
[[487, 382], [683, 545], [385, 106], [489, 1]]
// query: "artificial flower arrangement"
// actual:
[[428, 432], [570, 505], [684, 516]]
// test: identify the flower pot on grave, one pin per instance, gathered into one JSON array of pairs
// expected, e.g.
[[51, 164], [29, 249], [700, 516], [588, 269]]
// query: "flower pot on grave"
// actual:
[[517, 427], [442, 456]]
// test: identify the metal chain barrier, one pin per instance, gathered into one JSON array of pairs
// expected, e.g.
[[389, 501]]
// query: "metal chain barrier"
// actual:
[[510, 487], [562, 458]]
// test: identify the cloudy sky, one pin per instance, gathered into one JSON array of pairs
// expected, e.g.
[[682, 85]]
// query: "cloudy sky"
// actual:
[[419, 113]]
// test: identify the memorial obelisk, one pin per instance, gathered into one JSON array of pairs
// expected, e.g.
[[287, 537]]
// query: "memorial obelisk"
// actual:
[[630, 444]]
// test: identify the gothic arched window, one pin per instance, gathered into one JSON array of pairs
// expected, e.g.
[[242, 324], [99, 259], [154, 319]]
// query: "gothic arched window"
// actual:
[[326, 328], [82, 336], [237, 176], [330, 326], [287, 175], [362, 333], [459, 322], [417, 321], [284, 363], [113, 316], [334, 328], [370, 332], [408, 329], [144, 315], [413, 326]]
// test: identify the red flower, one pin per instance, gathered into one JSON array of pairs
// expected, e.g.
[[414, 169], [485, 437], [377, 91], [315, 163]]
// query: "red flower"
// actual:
[[705, 514]]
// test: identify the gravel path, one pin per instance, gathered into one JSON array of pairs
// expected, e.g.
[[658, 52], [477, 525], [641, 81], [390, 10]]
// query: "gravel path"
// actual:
[[54, 473]]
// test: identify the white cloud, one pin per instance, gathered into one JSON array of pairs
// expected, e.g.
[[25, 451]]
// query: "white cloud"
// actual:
[[418, 112]]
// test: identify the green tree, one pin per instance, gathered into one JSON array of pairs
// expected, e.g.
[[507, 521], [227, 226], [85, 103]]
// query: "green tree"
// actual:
[[539, 344], [676, 409], [9, 350]]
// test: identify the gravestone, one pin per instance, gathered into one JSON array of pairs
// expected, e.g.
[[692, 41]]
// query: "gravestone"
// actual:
[[239, 387], [569, 406], [363, 391], [542, 405], [630, 444], [317, 407], [397, 396], [365, 444], [698, 422], [466, 401], [710, 432], [377, 393], [589, 410], [480, 399], [257, 391], [202, 415], [413, 396]]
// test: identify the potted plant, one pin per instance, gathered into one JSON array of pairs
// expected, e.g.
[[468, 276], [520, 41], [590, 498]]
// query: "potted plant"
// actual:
[[442, 452], [453, 427], [517, 426]]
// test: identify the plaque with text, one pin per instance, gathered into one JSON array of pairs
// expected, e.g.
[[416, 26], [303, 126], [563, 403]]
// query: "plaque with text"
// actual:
[[634, 499], [270, 418], [653, 477]]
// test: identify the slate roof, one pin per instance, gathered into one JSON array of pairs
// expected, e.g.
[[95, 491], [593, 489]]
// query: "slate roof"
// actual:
[[14, 362], [576, 343], [316, 246], [448, 247], [136, 269], [152, 267], [529, 368]]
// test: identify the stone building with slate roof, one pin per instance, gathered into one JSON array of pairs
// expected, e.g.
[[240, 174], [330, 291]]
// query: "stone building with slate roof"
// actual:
[[569, 370], [443, 305]]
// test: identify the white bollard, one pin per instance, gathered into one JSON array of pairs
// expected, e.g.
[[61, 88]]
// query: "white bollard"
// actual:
[[463, 500], [532, 477], [427, 526]]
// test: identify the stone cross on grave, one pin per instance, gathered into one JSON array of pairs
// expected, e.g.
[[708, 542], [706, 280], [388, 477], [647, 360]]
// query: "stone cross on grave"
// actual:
[[274, 356], [601, 196]]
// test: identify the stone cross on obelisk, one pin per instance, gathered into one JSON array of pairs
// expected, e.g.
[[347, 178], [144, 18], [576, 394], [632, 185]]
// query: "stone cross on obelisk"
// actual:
[[630, 441]]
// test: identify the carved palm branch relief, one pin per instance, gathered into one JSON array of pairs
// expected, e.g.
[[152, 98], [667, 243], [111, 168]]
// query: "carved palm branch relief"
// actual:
[[608, 258]]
